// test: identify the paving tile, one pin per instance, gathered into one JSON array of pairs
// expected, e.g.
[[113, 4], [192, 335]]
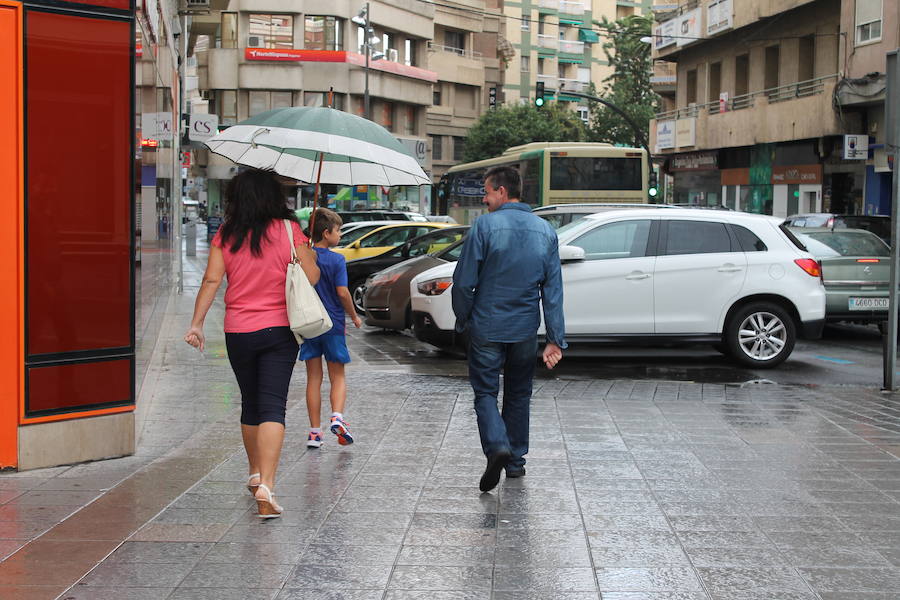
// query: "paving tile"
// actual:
[[852, 580], [237, 575], [772, 581], [551, 581], [434, 577], [647, 579], [315, 577]]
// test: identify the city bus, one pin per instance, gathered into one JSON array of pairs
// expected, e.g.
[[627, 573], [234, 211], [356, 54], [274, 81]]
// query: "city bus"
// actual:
[[552, 173]]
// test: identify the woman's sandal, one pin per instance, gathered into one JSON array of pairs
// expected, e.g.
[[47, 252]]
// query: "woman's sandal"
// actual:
[[253, 486], [267, 508]]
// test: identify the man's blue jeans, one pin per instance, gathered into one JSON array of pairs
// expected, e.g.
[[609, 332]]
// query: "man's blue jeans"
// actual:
[[516, 360]]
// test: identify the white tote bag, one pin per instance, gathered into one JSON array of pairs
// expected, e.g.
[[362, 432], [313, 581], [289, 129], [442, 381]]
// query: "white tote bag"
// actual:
[[306, 313]]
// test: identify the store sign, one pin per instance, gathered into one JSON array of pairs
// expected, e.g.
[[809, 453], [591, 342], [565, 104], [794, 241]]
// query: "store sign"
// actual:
[[856, 147], [664, 34], [203, 127], [157, 126], [723, 102], [688, 30], [665, 134], [417, 147], [718, 16], [686, 132], [798, 174], [338, 56], [695, 161]]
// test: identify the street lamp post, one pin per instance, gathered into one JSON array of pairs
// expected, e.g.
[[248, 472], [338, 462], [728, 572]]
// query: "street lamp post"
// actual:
[[363, 19]]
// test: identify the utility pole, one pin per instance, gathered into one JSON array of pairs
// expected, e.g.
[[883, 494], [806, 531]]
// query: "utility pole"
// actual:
[[892, 141]]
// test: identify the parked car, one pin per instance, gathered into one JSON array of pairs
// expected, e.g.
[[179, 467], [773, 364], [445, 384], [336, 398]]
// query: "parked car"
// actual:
[[880, 225], [440, 219], [385, 238], [359, 270], [350, 232], [738, 281], [386, 297], [563, 214], [856, 268], [350, 216]]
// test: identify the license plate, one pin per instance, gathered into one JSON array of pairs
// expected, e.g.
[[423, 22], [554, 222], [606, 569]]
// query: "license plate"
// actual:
[[868, 303]]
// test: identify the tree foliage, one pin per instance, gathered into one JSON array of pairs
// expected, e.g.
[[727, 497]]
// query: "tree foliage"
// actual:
[[628, 87], [506, 126]]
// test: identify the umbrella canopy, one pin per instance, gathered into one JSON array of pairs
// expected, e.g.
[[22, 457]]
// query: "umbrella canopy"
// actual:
[[292, 141]]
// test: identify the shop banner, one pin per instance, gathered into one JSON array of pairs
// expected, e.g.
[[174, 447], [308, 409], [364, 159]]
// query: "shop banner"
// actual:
[[695, 161], [203, 127], [856, 147], [339, 56], [797, 174], [718, 16], [156, 126], [665, 134], [664, 34], [688, 27], [686, 132]]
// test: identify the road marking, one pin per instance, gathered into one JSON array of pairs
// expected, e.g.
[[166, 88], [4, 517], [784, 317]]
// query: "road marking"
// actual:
[[839, 361]]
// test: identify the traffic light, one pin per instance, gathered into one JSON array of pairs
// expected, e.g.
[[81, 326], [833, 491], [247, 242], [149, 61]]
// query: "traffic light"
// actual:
[[539, 94], [652, 187]]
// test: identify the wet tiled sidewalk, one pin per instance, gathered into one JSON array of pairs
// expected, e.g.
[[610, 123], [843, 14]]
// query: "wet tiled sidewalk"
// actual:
[[635, 490]]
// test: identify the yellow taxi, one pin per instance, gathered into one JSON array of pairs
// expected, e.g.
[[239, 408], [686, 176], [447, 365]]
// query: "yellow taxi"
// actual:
[[387, 237]]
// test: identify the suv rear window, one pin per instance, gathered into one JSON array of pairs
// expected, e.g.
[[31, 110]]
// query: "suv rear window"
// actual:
[[748, 240]]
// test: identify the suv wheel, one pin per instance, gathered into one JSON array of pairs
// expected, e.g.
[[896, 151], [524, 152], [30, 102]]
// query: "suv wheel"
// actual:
[[760, 335], [357, 292]]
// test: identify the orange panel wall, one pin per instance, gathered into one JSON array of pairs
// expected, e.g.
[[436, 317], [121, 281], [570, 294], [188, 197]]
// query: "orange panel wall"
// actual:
[[11, 185]]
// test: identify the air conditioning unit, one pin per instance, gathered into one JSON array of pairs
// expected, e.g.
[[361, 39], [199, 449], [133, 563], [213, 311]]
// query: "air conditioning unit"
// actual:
[[254, 41], [393, 56], [191, 4]]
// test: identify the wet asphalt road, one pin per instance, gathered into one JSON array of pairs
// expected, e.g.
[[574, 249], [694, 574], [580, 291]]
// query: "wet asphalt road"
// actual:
[[847, 354]]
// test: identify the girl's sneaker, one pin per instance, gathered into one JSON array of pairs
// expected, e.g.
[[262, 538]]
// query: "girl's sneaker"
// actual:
[[314, 440], [341, 430]]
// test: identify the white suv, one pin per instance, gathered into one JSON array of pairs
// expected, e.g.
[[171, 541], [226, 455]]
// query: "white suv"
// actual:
[[738, 281]]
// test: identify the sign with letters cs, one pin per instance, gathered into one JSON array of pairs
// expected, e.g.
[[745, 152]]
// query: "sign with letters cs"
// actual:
[[203, 127]]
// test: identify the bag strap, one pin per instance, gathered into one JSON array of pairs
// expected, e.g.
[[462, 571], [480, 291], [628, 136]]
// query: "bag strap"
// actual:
[[290, 231]]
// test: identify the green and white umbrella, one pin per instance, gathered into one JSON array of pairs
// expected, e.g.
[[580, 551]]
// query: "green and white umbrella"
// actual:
[[294, 142]]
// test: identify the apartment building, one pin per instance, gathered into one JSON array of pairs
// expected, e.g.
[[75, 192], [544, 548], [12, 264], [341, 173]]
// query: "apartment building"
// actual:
[[266, 54], [777, 105], [557, 42], [464, 54]]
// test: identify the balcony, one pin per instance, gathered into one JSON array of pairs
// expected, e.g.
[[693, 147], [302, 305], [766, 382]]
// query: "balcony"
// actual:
[[551, 82], [571, 85], [567, 7], [456, 64], [796, 111], [550, 42], [461, 52], [548, 4], [571, 47]]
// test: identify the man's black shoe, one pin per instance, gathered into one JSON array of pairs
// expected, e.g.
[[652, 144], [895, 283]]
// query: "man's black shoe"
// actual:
[[515, 472], [495, 464]]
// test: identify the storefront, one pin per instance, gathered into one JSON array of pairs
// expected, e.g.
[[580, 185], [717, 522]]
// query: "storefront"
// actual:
[[696, 178]]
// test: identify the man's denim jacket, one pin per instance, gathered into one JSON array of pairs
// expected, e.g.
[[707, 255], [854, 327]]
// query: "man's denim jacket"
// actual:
[[508, 267]]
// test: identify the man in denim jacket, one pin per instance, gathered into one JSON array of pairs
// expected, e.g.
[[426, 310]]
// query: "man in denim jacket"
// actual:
[[509, 266]]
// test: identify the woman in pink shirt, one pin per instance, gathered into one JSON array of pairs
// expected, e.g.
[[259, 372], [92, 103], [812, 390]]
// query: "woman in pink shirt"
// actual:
[[252, 250]]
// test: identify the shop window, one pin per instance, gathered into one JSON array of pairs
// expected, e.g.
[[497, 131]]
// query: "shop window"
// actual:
[[271, 31], [806, 58], [741, 74], [715, 81], [228, 30], [691, 87], [437, 148], [409, 52], [323, 33], [868, 21], [228, 107], [773, 60], [454, 41], [459, 147]]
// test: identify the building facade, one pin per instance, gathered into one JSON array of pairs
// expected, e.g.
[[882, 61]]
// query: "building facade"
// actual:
[[557, 42], [261, 55], [772, 110]]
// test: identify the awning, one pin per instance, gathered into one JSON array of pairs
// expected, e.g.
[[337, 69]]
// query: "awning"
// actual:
[[571, 20], [571, 61], [588, 35]]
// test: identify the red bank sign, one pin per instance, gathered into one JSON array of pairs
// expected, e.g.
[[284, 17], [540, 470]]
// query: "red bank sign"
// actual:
[[338, 56]]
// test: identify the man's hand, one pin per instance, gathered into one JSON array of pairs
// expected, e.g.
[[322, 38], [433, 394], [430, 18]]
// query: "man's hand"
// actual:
[[552, 355], [356, 320]]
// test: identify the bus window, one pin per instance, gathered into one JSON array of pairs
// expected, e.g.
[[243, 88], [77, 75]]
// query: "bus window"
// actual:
[[530, 171], [595, 173]]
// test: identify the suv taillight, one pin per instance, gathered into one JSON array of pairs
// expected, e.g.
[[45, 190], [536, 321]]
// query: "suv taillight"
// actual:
[[811, 266]]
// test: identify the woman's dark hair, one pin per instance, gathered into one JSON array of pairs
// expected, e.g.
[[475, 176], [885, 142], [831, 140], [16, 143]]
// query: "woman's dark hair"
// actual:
[[253, 199], [505, 177]]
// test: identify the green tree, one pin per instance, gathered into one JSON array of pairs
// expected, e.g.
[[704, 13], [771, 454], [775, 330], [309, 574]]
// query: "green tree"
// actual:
[[628, 87], [499, 129]]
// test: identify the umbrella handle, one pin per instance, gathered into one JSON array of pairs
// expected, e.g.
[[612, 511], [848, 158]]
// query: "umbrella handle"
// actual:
[[312, 219]]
